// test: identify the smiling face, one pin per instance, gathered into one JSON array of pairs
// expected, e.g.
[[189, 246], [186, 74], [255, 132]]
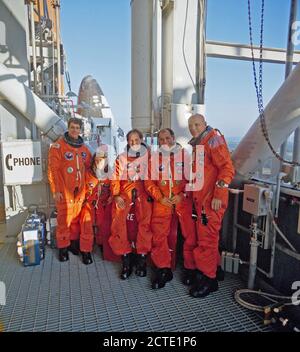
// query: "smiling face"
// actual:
[[74, 130], [197, 125], [165, 139], [134, 141]]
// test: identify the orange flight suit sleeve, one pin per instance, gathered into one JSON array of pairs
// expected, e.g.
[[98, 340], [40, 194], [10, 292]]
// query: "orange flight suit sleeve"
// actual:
[[88, 185], [221, 159]]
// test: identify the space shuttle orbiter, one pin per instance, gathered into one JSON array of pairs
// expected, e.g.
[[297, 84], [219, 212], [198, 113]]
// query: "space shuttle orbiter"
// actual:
[[99, 122]]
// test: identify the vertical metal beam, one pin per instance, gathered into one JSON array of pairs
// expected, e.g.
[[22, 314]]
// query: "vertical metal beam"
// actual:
[[254, 244], [167, 63], [201, 57], [290, 46], [235, 221], [141, 61], [41, 48], [152, 70], [53, 64], [288, 70], [57, 16], [156, 71], [31, 8], [296, 154]]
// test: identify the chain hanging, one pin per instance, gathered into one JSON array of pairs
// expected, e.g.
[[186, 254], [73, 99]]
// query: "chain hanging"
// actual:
[[259, 84]]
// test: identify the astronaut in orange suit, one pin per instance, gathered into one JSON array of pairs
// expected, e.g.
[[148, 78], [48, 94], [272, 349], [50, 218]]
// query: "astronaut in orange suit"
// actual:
[[127, 186], [168, 174], [210, 201], [67, 161], [95, 220]]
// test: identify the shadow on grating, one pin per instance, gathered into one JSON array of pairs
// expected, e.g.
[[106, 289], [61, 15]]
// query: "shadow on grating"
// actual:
[[70, 296]]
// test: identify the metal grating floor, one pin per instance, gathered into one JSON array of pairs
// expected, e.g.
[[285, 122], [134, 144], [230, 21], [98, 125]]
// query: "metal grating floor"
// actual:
[[73, 297]]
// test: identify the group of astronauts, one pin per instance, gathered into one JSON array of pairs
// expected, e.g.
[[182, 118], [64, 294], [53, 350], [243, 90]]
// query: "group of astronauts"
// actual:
[[94, 201]]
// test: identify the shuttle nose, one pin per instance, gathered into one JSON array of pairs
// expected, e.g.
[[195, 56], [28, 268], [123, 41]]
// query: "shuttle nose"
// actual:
[[90, 98]]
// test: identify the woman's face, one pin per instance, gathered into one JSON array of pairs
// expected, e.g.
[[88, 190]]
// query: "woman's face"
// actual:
[[134, 141], [100, 163]]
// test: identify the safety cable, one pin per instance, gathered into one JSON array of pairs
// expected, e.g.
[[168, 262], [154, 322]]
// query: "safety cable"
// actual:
[[259, 85], [259, 308], [183, 45]]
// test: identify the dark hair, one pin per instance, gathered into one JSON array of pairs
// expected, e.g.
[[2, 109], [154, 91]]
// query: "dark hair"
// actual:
[[75, 121], [135, 130], [166, 130]]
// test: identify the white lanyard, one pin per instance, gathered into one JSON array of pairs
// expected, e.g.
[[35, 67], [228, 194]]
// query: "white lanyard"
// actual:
[[170, 179]]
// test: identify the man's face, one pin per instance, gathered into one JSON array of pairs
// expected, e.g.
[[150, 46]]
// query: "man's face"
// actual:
[[134, 141], [74, 130], [165, 139], [197, 125]]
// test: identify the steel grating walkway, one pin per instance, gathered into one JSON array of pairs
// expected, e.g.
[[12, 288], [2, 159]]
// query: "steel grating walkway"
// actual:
[[70, 296]]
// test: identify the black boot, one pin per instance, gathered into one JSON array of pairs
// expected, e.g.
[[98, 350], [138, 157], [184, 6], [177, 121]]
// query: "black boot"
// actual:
[[126, 266], [141, 265], [74, 247], [86, 258], [198, 276], [204, 287], [162, 277], [188, 277], [63, 254], [220, 275]]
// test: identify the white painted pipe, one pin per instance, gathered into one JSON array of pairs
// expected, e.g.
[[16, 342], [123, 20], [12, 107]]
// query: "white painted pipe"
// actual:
[[141, 31], [30, 105], [57, 16], [33, 46], [282, 116]]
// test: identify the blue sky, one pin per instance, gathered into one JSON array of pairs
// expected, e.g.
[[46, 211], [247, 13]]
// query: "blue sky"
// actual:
[[97, 42]]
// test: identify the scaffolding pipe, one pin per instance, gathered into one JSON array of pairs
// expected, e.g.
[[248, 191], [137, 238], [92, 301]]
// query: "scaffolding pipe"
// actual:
[[235, 221], [30, 105], [31, 7], [57, 17], [154, 9], [253, 256], [53, 64], [270, 275], [289, 58], [201, 57], [41, 49], [141, 31], [290, 46]]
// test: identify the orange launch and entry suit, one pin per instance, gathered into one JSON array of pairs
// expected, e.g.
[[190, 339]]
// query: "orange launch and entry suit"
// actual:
[[95, 217], [68, 161], [217, 167], [130, 170], [168, 173]]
